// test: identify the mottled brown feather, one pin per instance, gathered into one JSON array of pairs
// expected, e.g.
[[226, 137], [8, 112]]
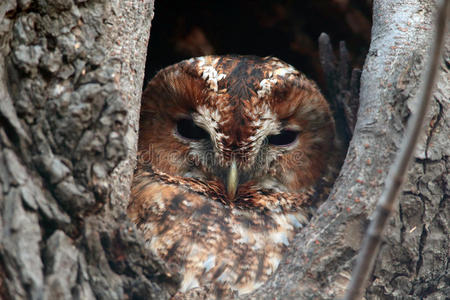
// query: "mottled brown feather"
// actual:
[[179, 197]]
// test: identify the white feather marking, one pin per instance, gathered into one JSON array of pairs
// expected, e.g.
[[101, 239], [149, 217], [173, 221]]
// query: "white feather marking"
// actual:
[[189, 282], [259, 243], [187, 203], [158, 199], [210, 119], [285, 71], [210, 262], [294, 221], [154, 242], [207, 117], [244, 237], [224, 277], [266, 86], [274, 261], [195, 249], [279, 238], [266, 123], [211, 76], [201, 60], [282, 222]]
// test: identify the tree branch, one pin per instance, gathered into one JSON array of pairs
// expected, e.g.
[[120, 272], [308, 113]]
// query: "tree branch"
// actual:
[[342, 86], [396, 177]]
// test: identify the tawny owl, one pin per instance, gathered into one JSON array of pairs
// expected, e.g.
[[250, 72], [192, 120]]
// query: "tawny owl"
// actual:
[[231, 150]]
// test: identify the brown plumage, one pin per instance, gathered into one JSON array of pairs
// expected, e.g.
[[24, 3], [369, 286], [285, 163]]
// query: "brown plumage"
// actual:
[[231, 149]]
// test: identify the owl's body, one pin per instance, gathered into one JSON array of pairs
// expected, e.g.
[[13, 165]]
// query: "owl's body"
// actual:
[[231, 148]]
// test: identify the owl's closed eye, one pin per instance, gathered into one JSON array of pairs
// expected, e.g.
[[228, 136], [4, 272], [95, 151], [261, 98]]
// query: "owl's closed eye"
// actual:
[[231, 149]]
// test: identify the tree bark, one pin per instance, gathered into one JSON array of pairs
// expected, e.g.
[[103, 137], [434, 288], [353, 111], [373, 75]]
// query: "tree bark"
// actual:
[[70, 84], [413, 261]]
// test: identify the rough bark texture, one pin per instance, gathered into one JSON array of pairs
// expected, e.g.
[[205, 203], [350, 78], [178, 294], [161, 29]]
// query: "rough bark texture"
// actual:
[[71, 79], [70, 83], [413, 261]]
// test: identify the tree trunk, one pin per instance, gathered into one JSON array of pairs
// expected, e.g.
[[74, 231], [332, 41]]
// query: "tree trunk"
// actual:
[[70, 84], [414, 259], [70, 87]]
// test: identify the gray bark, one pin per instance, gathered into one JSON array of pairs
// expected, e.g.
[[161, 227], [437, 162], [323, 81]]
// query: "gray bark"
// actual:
[[70, 83], [413, 261]]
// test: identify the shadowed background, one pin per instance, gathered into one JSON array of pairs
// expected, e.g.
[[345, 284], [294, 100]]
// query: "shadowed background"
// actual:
[[286, 29]]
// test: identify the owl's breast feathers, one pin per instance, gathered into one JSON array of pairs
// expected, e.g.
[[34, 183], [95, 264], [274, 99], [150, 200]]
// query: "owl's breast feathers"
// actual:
[[192, 225]]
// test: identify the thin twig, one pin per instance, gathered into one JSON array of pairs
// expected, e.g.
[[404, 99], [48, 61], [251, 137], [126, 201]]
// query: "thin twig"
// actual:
[[396, 175]]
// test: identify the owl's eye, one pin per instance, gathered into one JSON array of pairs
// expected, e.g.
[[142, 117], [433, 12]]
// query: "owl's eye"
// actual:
[[284, 138], [188, 129]]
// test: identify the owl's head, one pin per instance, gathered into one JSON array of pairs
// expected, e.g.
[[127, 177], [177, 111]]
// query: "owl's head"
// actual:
[[241, 121]]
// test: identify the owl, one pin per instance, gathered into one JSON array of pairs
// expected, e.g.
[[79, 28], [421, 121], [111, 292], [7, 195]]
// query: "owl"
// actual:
[[231, 151]]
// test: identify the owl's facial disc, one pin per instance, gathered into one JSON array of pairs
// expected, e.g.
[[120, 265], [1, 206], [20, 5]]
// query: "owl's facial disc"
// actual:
[[199, 133], [233, 163], [237, 121]]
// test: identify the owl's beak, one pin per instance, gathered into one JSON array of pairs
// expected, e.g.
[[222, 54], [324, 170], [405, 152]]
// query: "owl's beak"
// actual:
[[232, 180]]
